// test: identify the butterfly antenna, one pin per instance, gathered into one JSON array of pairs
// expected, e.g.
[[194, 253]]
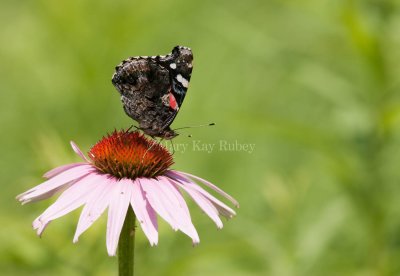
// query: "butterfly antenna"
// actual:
[[204, 125]]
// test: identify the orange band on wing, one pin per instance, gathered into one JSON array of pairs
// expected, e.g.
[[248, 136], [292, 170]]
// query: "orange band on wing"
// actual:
[[172, 102]]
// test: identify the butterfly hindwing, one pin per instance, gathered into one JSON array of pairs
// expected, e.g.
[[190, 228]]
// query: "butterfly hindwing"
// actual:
[[153, 89]]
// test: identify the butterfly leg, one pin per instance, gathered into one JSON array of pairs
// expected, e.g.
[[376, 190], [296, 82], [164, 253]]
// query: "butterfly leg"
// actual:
[[130, 128]]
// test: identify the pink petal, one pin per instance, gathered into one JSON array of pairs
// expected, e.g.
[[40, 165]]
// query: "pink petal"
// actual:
[[52, 192], [119, 204], [203, 203], [224, 212], [55, 182], [79, 152], [61, 169], [145, 214], [175, 196], [155, 201], [72, 198], [95, 205], [176, 174], [221, 207], [164, 198]]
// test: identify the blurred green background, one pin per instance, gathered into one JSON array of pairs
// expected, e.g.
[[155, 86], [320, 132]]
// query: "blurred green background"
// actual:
[[313, 84]]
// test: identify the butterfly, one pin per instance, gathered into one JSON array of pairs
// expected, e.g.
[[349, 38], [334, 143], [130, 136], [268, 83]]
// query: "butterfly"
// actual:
[[153, 89]]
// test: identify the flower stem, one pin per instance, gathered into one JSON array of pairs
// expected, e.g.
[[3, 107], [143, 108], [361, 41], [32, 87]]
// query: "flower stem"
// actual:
[[126, 245]]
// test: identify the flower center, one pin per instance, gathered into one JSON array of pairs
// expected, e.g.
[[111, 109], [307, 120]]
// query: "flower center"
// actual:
[[129, 154]]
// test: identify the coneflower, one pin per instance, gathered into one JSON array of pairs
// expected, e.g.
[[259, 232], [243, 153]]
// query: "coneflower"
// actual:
[[126, 169]]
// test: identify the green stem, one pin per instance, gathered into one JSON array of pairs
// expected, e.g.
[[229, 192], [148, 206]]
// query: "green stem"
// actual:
[[126, 245]]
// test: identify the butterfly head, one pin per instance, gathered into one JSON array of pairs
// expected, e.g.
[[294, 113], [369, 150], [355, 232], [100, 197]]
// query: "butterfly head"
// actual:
[[166, 134], [169, 134]]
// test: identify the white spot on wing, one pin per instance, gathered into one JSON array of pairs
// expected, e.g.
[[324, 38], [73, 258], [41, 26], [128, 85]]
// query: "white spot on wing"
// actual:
[[182, 80], [172, 65]]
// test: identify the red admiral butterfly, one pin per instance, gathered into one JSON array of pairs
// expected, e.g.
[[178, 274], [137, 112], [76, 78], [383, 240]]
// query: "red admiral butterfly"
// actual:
[[153, 88]]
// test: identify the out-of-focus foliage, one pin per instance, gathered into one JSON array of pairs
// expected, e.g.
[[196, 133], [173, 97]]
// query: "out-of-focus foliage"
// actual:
[[313, 84]]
